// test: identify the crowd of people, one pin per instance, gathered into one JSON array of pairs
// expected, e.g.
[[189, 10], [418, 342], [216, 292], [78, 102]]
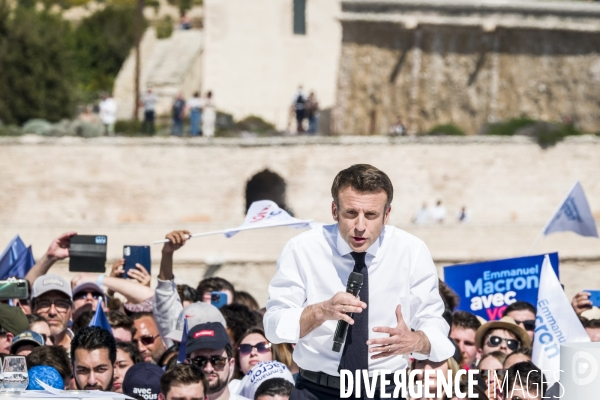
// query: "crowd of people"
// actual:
[[437, 214], [226, 348], [306, 111], [201, 112]]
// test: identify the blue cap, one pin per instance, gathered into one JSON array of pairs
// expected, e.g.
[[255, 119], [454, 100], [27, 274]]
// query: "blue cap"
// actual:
[[48, 375], [143, 380], [27, 337]]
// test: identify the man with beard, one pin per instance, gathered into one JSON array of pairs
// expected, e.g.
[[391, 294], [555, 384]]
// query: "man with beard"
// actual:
[[148, 339], [52, 299], [209, 347], [93, 353]]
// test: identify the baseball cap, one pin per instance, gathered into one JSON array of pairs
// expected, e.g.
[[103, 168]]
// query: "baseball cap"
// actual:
[[196, 314], [12, 319], [211, 335], [27, 337], [143, 380], [49, 282], [257, 375], [90, 287]]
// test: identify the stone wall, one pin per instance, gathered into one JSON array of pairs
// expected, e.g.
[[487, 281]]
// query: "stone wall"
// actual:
[[475, 62], [137, 190]]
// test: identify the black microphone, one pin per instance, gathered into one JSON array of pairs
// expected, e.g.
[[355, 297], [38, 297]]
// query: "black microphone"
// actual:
[[355, 282]]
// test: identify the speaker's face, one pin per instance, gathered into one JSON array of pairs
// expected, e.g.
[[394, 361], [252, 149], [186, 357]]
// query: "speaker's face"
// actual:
[[361, 216]]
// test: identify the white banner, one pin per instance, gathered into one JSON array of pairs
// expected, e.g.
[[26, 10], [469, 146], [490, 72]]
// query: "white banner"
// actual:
[[267, 214], [573, 215], [555, 323]]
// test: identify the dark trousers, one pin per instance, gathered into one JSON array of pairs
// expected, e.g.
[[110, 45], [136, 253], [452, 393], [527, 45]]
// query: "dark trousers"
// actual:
[[306, 390], [148, 121]]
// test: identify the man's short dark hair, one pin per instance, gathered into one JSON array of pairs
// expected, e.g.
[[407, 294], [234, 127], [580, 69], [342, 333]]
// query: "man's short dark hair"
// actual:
[[188, 293], [132, 350], [82, 321], [93, 338], [182, 374], [246, 299], [239, 319], [530, 376], [274, 387], [449, 296], [520, 306], [53, 356], [34, 319], [363, 178], [214, 284], [117, 319], [465, 320], [141, 314]]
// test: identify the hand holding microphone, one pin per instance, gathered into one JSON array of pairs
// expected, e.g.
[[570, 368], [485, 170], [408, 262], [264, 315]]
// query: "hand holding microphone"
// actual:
[[355, 282]]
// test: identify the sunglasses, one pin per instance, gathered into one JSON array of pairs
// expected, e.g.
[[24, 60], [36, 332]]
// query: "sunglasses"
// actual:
[[495, 341], [528, 324], [261, 348], [485, 373], [44, 305], [83, 295], [147, 340], [46, 338], [217, 362]]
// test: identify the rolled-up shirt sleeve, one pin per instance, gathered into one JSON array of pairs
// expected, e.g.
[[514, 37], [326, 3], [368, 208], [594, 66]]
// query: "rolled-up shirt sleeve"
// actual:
[[427, 307], [287, 299]]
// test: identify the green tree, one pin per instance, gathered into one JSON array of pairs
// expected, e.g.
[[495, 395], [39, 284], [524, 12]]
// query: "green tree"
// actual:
[[36, 78], [102, 42]]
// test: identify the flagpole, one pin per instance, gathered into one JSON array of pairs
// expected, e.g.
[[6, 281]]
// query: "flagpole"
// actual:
[[193, 236], [539, 236]]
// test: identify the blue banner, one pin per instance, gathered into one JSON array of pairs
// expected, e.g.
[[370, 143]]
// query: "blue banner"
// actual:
[[487, 288]]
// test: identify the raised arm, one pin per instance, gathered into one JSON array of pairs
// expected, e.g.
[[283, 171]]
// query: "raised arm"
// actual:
[[58, 250], [176, 240], [133, 291]]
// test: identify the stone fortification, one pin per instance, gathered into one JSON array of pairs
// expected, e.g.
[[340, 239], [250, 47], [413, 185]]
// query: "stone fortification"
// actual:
[[136, 190], [466, 62]]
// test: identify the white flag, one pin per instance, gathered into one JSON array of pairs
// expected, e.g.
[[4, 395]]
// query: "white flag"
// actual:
[[266, 214], [555, 323], [573, 215]]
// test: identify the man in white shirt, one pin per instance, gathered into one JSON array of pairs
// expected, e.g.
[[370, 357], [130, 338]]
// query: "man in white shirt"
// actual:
[[307, 295], [438, 213], [108, 114]]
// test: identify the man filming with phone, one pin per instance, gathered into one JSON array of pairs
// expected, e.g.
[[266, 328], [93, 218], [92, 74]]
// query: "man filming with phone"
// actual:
[[398, 311]]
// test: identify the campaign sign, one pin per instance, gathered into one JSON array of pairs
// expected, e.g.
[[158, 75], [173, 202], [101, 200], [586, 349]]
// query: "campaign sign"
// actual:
[[487, 288]]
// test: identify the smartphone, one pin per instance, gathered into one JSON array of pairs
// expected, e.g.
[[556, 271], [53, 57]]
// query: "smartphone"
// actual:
[[14, 289], [218, 299], [136, 255], [595, 297], [87, 253]]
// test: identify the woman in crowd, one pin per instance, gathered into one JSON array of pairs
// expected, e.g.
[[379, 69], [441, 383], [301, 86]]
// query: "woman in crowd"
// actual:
[[252, 349], [425, 365], [491, 371], [127, 355]]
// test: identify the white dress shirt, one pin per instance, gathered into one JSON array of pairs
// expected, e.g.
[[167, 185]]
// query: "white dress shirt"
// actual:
[[315, 265]]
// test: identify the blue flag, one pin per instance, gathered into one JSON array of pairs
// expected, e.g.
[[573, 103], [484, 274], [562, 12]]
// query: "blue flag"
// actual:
[[99, 319], [182, 346], [9, 256], [573, 215], [23, 264]]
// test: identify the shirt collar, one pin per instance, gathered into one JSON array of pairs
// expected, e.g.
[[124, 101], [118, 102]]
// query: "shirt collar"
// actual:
[[343, 248]]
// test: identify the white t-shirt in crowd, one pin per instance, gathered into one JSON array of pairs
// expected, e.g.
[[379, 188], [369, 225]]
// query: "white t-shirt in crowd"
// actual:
[[195, 102], [438, 213], [108, 111]]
